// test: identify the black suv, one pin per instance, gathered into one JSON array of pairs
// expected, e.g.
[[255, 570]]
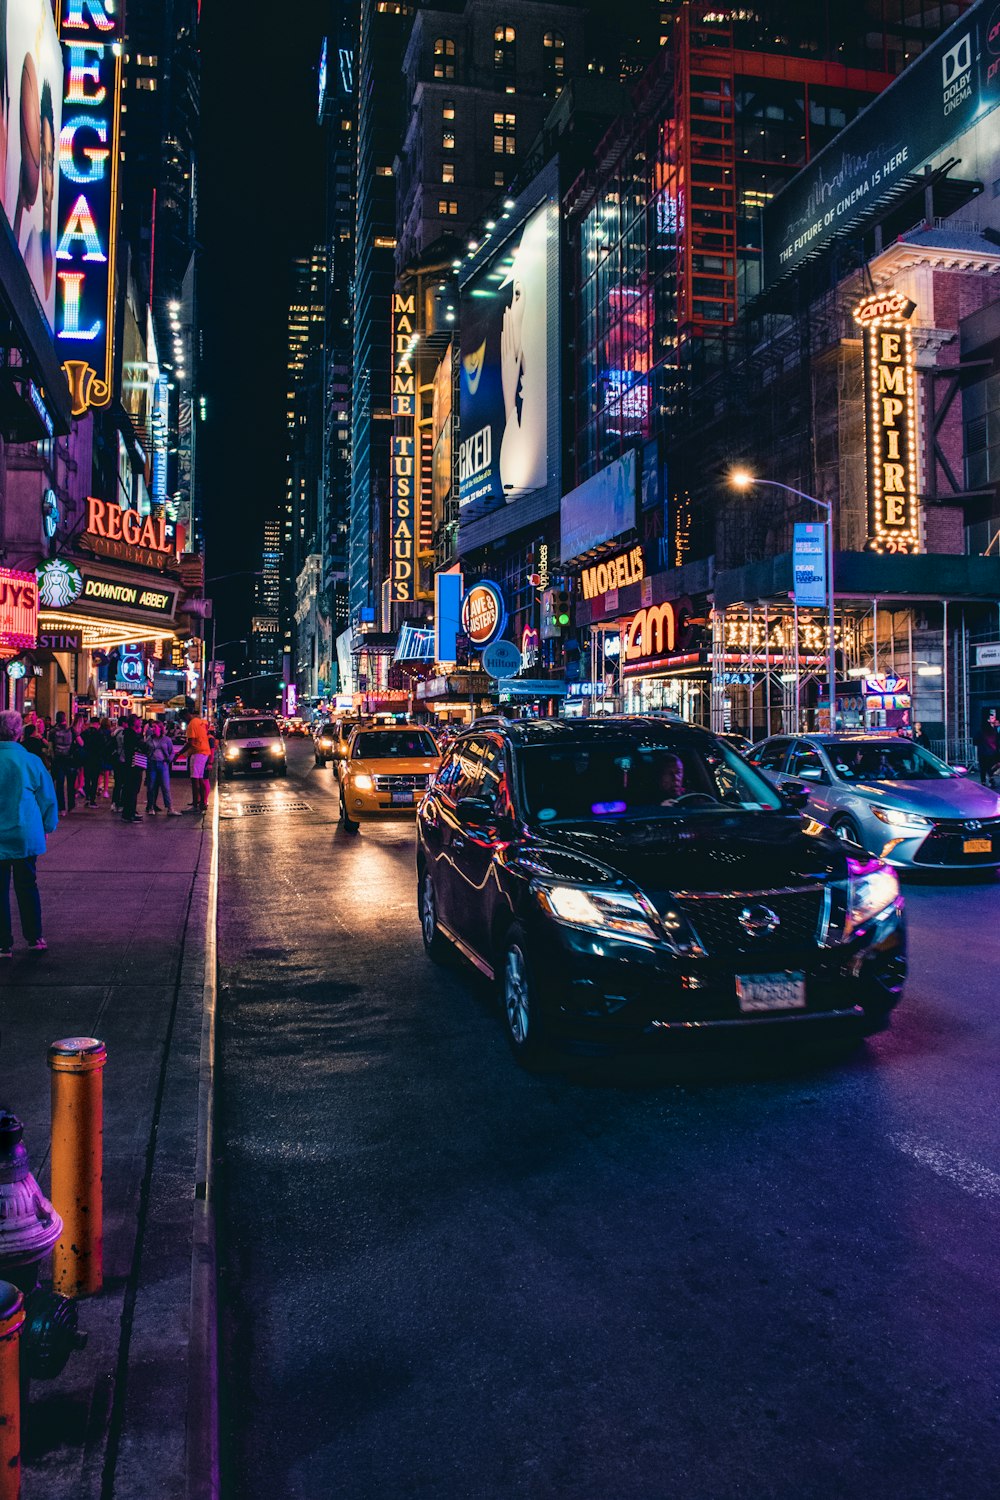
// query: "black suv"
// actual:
[[628, 879]]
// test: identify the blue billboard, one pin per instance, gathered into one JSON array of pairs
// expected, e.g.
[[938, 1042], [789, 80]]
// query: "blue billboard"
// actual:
[[601, 508]]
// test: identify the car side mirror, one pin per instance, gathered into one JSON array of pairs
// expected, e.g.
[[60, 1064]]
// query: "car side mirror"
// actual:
[[474, 811], [794, 796], [810, 773]]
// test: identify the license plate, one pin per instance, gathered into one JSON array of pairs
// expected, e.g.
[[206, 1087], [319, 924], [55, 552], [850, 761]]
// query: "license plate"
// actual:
[[771, 991], [403, 798], [977, 846], [255, 765]]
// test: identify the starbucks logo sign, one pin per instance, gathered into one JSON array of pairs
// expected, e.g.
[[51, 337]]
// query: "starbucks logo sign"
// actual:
[[59, 583]]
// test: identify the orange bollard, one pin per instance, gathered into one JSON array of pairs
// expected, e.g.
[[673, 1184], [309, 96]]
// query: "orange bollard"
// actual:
[[77, 1163], [11, 1320]]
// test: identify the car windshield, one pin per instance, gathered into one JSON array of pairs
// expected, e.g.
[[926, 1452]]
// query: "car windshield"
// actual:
[[885, 760], [241, 729], [636, 778], [383, 744]]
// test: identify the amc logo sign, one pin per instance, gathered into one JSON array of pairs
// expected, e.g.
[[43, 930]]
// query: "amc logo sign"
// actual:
[[653, 635]]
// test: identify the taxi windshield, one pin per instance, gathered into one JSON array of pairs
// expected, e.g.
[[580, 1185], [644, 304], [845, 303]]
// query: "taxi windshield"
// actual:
[[884, 760], [631, 778], [385, 744]]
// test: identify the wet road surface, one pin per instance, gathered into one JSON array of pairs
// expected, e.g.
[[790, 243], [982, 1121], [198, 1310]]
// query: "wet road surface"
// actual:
[[443, 1277]]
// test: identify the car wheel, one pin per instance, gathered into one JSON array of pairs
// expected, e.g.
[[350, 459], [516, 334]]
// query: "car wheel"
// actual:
[[847, 831], [522, 1015], [436, 945], [349, 825]]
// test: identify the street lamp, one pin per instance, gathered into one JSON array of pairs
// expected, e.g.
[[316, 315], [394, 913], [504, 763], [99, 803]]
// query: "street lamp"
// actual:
[[742, 479]]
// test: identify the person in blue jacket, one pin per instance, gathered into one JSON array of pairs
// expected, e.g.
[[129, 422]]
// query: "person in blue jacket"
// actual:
[[27, 813]]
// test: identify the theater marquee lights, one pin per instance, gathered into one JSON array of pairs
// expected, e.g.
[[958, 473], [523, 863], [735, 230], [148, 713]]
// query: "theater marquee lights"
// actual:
[[92, 33], [891, 422]]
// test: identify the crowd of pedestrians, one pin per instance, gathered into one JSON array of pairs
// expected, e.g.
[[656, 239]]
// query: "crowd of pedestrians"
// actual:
[[47, 767]]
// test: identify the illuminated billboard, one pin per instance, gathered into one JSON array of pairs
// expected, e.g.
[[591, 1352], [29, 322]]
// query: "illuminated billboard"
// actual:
[[601, 508], [510, 369], [890, 422], [91, 32], [31, 81]]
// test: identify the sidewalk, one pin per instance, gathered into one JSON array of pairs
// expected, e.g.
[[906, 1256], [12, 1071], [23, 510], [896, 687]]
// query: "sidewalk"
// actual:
[[129, 915]]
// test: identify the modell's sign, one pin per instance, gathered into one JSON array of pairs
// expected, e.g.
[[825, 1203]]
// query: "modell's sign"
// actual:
[[129, 537], [617, 573], [652, 636], [18, 611], [891, 422]]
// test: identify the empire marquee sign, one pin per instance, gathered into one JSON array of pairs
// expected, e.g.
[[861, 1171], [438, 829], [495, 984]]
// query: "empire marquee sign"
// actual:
[[890, 422], [92, 37]]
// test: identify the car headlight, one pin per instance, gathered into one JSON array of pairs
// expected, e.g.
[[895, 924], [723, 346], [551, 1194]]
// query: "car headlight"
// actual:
[[361, 782], [618, 913], [897, 818], [277, 749], [326, 744], [232, 753], [872, 892]]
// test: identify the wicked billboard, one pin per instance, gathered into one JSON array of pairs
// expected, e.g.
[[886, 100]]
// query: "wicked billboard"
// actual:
[[955, 82], [509, 362]]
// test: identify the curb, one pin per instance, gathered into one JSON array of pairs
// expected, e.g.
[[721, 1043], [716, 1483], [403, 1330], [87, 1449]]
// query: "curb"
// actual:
[[166, 1433], [203, 1383]]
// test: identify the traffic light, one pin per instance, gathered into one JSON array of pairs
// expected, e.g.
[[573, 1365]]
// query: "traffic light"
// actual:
[[562, 608]]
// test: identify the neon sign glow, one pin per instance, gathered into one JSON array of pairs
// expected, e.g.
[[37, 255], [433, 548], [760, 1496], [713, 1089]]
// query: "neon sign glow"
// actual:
[[91, 32], [891, 421]]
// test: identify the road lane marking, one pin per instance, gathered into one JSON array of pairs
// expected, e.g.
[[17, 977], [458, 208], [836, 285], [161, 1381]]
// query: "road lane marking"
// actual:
[[968, 1175]]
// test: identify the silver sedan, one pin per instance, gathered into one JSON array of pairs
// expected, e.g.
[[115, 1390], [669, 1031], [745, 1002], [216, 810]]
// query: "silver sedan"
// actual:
[[889, 795]]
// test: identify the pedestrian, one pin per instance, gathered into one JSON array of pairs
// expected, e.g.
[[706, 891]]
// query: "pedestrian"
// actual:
[[118, 763], [35, 743], [160, 754], [107, 767], [919, 738], [94, 752], [199, 750], [79, 724], [988, 746], [63, 763], [27, 813], [134, 763]]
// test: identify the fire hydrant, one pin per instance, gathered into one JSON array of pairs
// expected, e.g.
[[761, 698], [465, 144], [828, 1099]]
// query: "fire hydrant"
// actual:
[[29, 1227]]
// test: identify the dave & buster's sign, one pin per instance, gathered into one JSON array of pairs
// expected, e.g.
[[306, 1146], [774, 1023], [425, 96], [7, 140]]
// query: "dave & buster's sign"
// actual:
[[92, 36], [484, 614]]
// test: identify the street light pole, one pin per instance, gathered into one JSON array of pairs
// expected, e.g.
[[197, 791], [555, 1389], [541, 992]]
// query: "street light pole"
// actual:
[[743, 481]]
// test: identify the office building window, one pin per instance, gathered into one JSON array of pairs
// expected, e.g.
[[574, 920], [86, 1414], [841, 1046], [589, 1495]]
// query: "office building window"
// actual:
[[504, 49], [504, 133], [448, 109], [554, 49], [444, 57], [499, 177], [447, 207], [448, 171], [448, 140]]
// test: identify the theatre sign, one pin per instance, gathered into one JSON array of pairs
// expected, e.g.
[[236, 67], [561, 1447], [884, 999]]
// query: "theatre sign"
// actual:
[[890, 422]]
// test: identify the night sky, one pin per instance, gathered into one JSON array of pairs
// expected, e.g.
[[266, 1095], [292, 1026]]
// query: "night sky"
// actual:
[[261, 202]]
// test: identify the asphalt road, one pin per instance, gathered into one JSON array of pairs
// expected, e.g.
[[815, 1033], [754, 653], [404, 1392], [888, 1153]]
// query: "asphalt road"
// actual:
[[443, 1277]]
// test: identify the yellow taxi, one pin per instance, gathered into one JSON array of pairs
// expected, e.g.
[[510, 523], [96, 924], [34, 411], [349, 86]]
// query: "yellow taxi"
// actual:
[[386, 771]]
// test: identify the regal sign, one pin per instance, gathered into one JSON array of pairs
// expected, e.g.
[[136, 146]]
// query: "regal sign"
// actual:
[[18, 611], [890, 422], [617, 573], [92, 36], [129, 537], [652, 635]]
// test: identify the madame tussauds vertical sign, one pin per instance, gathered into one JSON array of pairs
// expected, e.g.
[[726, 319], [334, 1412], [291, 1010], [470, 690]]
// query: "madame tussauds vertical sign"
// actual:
[[890, 422], [92, 36], [402, 452]]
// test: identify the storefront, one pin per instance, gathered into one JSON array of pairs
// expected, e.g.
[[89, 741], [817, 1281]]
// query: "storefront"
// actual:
[[111, 638]]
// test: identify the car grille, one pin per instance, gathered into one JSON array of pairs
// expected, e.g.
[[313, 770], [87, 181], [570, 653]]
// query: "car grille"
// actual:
[[393, 783], [944, 845], [715, 920]]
